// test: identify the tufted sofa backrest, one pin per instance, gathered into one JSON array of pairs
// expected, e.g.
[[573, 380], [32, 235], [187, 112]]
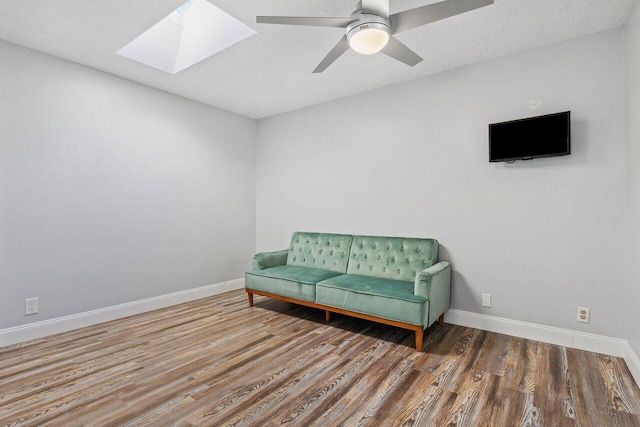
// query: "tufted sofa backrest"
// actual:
[[395, 258], [320, 250]]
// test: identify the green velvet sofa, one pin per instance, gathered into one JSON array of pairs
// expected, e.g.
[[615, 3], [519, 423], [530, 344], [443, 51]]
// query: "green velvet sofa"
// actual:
[[391, 280]]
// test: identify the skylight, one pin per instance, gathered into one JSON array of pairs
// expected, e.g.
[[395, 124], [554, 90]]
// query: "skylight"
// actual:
[[193, 32]]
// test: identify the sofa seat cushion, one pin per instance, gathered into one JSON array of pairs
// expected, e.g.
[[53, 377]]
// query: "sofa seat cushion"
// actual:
[[288, 281], [376, 296]]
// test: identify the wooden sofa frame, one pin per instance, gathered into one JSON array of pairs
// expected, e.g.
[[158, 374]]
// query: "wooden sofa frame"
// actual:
[[328, 310]]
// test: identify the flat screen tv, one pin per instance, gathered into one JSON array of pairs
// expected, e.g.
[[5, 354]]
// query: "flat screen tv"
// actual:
[[525, 139]]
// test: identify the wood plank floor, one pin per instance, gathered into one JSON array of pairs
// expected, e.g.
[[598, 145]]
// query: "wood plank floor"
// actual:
[[216, 362]]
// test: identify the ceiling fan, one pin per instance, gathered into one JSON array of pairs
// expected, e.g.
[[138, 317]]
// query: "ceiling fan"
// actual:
[[370, 28]]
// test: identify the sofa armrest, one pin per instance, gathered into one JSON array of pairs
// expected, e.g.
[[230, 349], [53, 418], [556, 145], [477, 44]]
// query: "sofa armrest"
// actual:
[[265, 260], [434, 283]]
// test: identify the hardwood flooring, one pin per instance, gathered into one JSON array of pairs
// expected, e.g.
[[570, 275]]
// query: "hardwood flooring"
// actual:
[[217, 362]]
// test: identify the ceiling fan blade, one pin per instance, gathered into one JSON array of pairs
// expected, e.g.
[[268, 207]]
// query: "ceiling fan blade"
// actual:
[[397, 50], [307, 21], [376, 7], [341, 47], [419, 16]]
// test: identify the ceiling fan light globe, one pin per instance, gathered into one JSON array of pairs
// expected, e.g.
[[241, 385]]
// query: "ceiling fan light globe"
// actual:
[[368, 39]]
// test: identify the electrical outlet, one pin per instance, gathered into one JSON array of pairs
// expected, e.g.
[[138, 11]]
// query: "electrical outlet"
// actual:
[[30, 306], [486, 300], [584, 314]]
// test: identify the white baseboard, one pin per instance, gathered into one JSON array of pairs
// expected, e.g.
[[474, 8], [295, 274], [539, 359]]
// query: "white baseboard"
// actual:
[[533, 331], [633, 362], [566, 337], [32, 331]]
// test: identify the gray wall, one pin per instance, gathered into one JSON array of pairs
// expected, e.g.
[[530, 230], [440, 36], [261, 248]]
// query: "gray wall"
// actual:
[[112, 192], [542, 236], [632, 70]]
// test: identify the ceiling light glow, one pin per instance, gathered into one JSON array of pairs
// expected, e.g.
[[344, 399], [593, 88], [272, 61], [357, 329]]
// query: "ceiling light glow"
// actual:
[[369, 38]]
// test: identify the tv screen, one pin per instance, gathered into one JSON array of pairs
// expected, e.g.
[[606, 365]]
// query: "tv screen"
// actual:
[[542, 136]]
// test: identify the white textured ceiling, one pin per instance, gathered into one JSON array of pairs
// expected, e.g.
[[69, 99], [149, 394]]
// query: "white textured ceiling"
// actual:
[[270, 72]]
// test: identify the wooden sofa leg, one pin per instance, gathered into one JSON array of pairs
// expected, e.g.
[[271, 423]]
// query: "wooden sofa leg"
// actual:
[[419, 336], [327, 315], [441, 319], [250, 296]]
